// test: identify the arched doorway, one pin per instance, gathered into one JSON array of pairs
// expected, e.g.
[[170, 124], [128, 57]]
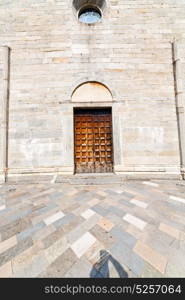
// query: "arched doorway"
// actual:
[[93, 146]]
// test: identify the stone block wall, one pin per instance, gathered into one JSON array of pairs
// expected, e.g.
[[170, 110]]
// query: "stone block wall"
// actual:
[[130, 51]]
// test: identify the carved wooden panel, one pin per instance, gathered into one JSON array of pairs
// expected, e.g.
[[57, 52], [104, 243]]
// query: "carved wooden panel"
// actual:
[[93, 141]]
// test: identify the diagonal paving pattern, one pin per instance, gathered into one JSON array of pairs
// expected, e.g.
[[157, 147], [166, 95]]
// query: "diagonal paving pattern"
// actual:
[[133, 229]]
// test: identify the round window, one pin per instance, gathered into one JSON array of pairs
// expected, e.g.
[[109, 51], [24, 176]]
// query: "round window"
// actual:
[[89, 15]]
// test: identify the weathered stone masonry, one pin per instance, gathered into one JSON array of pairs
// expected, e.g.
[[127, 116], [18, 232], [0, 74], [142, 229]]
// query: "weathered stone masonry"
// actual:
[[136, 51]]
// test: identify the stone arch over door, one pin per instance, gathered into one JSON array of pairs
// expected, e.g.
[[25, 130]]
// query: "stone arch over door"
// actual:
[[91, 91]]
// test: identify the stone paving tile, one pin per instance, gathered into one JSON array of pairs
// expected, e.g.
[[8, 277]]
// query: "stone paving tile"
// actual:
[[29, 262], [14, 251], [65, 220], [32, 269], [139, 203], [162, 242], [7, 244], [170, 230], [14, 228], [37, 218], [61, 265], [100, 210], [82, 228], [181, 200], [56, 249], [150, 183], [103, 236], [30, 231], [74, 223], [154, 258], [152, 245], [174, 270], [150, 272], [87, 213], [82, 268], [43, 233], [53, 218], [93, 202], [125, 204], [6, 270], [80, 246], [2, 207], [114, 219], [114, 210], [105, 224], [51, 238], [81, 209], [47, 208], [123, 236], [135, 221], [127, 257]]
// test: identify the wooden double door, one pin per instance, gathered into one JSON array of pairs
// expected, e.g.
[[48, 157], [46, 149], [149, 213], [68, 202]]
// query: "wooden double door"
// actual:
[[93, 140]]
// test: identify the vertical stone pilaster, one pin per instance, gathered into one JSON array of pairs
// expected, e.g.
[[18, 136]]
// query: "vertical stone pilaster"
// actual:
[[67, 145], [4, 112], [117, 115], [180, 103]]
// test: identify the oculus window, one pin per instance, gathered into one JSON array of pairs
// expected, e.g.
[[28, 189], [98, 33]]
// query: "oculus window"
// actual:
[[89, 15], [89, 11]]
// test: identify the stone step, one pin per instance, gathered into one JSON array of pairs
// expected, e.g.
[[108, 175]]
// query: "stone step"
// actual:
[[89, 179]]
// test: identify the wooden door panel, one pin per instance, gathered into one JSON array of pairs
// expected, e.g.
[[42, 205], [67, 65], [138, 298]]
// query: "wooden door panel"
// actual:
[[93, 141]]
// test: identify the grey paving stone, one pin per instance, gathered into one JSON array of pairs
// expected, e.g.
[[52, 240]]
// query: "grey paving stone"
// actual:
[[30, 231], [175, 206], [32, 270], [126, 257], [127, 195], [114, 210], [100, 210], [124, 237], [160, 241], [74, 223], [15, 228], [61, 265], [16, 250], [64, 221], [83, 197], [19, 215], [53, 237], [111, 192], [81, 269], [56, 195], [126, 202], [114, 218], [71, 207], [47, 208]]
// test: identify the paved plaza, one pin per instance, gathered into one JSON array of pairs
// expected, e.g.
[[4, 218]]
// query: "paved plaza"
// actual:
[[133, 229]]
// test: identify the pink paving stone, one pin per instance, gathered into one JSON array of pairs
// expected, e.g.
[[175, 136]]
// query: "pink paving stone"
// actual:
[[6, 270], [170, 230], [105, 224]]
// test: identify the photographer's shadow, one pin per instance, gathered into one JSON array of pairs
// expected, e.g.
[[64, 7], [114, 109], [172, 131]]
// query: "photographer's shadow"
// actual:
[[101, 267]]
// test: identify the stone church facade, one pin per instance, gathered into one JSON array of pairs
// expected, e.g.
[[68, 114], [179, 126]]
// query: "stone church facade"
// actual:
[[106, 96]]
